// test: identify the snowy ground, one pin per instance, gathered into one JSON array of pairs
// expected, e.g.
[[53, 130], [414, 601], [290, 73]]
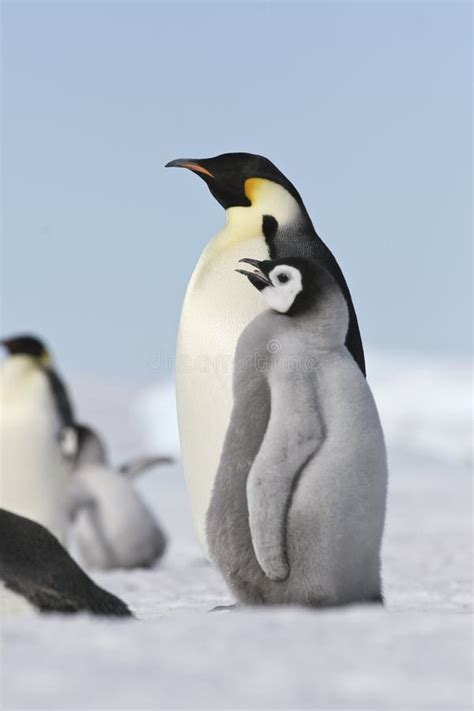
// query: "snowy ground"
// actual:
[[414, 654]]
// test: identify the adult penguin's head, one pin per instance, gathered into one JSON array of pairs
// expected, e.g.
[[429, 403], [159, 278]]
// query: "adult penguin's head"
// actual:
[[245, 180], [234, 179], [27, 345]]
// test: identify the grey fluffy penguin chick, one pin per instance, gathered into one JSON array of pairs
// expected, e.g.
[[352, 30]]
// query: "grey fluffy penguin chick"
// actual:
[[36, 569], [112, 525], [298, 506]]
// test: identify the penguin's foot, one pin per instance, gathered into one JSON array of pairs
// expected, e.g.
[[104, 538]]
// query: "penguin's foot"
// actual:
[[225, 608]]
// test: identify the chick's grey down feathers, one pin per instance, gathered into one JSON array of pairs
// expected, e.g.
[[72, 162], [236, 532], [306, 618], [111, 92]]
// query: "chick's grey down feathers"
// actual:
[[298, 506], [111, 523]]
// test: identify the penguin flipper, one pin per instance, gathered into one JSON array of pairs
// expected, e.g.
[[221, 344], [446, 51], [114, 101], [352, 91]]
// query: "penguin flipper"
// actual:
[[139, 465], [35, 565], [61, 398], [293, 435], [47, 599]]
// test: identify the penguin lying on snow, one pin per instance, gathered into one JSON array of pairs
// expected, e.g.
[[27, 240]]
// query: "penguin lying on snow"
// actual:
[[112, 525], [35, 410], [34, 566], [298, 506], [266, 218]]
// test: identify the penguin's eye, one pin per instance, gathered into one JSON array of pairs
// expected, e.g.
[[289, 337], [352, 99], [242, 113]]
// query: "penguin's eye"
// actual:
[[283, 278]]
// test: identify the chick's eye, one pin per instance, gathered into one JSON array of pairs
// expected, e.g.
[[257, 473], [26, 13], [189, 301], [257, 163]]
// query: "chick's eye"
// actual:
[[282, 278]]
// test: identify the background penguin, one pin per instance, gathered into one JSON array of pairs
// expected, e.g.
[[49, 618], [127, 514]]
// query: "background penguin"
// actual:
[[35, 568], [35, 411], [265, 217], [298, 506], [112, 526]]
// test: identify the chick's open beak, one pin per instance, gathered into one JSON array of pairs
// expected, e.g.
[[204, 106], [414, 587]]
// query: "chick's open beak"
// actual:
[[257, 277]]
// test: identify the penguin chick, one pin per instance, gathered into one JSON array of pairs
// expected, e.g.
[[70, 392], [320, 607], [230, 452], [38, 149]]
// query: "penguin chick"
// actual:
[[35, 410], [112, 525], [265, 218], [298, 506], [34, 566]]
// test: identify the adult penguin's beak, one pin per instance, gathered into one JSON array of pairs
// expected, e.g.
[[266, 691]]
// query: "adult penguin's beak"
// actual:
[[191, 164]]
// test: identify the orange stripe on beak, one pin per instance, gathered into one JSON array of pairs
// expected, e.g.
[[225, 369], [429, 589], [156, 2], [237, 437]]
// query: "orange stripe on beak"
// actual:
[[196, 168]]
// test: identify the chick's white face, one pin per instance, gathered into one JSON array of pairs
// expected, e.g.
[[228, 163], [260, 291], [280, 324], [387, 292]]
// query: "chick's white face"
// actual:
[[287, 284]]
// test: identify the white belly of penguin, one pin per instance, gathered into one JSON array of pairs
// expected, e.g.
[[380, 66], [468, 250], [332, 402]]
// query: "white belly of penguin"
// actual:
[[219, 304], [33, 476]]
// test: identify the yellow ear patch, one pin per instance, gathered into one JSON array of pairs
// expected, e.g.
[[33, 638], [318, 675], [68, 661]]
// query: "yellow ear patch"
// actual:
[[270, 198], [253, 187], [45, 359]]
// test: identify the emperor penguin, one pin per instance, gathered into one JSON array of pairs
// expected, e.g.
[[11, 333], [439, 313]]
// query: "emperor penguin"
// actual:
[[35, 412], [38, 574], [266, 218], [111, 524], [298, 506]]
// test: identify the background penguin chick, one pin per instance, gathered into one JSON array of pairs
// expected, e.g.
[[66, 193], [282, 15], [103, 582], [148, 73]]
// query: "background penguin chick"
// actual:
[[111, 524], [36, 569]]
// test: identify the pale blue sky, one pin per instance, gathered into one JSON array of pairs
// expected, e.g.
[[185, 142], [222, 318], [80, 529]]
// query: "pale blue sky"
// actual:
[[365, 106]]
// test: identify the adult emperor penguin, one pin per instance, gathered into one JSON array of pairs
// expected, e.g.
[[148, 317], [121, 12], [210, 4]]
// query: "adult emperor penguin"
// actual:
[[266, 217], [35, 410], [298, 506], [112, 525], [37, 573]]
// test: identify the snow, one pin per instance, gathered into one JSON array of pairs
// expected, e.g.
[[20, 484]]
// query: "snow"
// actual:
[[155, 412], [413, 654], [425, 404]]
